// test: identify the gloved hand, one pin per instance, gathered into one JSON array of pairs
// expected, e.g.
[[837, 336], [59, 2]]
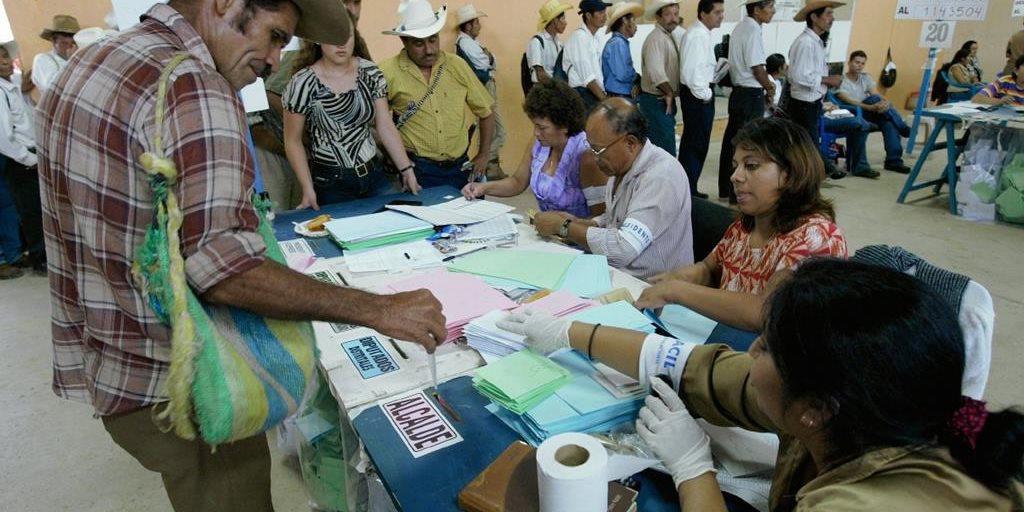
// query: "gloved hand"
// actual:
[[544, 333], [673, 435]]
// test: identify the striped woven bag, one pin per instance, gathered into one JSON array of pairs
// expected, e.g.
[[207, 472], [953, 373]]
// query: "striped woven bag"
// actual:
[[233, 374]]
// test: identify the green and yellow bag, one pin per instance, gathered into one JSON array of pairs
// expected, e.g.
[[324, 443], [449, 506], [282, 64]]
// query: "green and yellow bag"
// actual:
[[233, 374]]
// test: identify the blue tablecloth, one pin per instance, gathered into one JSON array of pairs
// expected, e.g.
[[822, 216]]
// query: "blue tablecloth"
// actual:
[[325, 247]]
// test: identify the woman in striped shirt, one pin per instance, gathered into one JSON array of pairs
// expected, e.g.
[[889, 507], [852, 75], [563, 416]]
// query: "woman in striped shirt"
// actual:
[[334, 98]]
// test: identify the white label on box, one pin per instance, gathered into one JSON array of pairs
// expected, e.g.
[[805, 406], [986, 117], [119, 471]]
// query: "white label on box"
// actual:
[[420, 424]]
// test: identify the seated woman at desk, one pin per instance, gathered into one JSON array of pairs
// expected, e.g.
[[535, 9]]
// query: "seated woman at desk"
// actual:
[[559, 168], [333, 98], [1007, 90], [783, 219], [859, 372]]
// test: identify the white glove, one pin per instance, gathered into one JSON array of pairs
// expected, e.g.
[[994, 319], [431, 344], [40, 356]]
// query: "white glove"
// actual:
[[674, 436], [544, 333]]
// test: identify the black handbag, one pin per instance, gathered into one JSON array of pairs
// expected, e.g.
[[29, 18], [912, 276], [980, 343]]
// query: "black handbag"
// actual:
[[888, 76]]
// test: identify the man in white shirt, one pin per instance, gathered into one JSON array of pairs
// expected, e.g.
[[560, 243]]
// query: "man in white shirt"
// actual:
[[646, 228], [659, 75], [481, 61], [544, 46], [18, 145], [808, 76], [45, 66], [750, 83], [582, 56], [696, 72]]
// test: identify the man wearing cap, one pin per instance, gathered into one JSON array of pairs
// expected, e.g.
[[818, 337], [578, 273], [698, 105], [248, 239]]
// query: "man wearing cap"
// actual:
[[750, 84], [620, 76], [696, 73], [21, 186], [45, 66], [543, 49], [808, 76], [111, 348], [646, 227], [429, 90], [582, 56], [479, 58], [659, 75]]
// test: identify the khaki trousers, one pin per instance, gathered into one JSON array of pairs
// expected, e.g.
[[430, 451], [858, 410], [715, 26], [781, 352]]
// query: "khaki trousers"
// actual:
[[235, 477]]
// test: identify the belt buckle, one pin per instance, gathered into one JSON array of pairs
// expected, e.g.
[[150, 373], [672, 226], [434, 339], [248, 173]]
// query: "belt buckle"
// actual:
[[365, 170]]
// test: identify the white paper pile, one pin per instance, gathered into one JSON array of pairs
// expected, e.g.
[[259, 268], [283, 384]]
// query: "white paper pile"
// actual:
[[484, 335]]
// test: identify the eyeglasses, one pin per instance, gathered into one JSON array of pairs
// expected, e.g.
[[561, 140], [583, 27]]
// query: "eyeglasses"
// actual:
[[598, 152]]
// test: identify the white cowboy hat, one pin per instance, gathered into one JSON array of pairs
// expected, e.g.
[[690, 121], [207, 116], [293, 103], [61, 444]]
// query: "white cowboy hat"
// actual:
[[814, 5], [467, 13], [621, 9], [323, 21], [656, 5], [11, 47], [90, 35], [418, 20], [549, 11]]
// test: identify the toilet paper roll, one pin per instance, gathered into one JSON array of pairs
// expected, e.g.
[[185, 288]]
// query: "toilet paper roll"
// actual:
[[572, 474]]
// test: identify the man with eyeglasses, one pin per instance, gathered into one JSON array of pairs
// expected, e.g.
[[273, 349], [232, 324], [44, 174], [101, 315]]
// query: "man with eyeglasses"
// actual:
[[646, 228]]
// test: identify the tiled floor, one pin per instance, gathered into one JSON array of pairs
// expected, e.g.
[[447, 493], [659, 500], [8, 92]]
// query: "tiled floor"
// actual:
[[56, 457]]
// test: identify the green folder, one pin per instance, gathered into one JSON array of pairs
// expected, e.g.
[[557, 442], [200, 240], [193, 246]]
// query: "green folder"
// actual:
[[521, 380], [537, 268]]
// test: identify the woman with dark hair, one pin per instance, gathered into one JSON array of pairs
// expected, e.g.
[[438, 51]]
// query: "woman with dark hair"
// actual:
[[973, 68], [858, 371], [559, 166], [1008, 90], [940, 88], [783, 219], [333, 98]]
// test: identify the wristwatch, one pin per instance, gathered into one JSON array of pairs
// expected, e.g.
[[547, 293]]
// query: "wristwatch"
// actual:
[[564, 230]]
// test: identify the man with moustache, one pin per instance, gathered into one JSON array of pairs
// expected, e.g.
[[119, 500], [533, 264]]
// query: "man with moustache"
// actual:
[[429, 90], [111, 347], [659, 76], [646, 227]]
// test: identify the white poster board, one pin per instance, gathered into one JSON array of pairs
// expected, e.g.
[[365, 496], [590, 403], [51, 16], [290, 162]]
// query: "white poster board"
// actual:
[[1018, 8], [937, 34], [947, 10]]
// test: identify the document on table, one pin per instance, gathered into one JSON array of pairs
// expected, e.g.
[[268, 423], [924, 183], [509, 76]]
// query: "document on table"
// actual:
[[540, 269], [501, 226], [374, 225], [456, 211], [587, 276], [298, 255], [521, 380], [393, 258]]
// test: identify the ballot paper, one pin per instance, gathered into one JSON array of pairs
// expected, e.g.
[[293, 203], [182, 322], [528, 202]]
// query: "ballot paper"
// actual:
[[298, 255], [581, 405], [456, 211], [617, 314], [394, 258], [377, 229], [587, 276], [521, 380], [484, 335], [536, 268], [463, 297]]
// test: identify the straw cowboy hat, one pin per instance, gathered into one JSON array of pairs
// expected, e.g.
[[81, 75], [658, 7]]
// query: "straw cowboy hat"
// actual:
[[90, 35], [656, 5], [418, 20], [467, 13], [62, 24], [814, 5], [11, 47], [549, 11], [619, 10]]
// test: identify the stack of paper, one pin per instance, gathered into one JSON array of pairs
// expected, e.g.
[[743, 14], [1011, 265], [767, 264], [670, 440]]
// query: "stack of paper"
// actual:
[[463, 297], [499, 227], [394, 258], [617, 314], [484, 335], [377, 229], [582, 405], [456, 211], [535, 268], [521, 380]]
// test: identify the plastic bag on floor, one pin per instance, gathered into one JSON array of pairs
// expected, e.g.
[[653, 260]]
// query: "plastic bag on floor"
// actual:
[[978, 183], [321, 451]]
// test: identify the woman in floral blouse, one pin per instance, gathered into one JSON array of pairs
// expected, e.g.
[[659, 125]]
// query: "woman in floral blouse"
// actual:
[[783, 220]]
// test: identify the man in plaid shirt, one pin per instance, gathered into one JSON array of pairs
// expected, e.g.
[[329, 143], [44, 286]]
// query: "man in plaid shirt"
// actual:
[[110, 348]]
